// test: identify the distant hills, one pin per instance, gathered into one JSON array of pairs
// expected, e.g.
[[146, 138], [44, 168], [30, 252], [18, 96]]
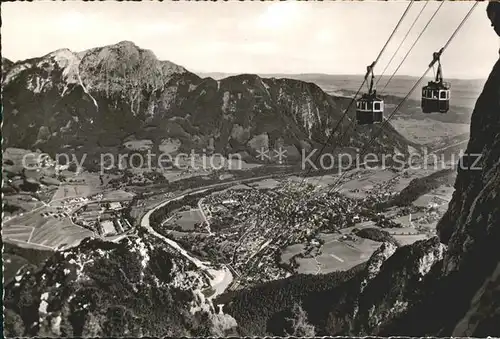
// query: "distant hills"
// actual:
[[463, 98], [465, 91]]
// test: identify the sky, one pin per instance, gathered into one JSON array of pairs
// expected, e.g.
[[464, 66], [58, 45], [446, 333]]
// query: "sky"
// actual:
[[290, 37]]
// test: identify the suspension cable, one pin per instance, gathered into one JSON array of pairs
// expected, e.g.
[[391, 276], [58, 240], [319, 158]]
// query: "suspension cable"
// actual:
[[402, 41], [406, 56], [357, 92], [411, 90], [413, 45]]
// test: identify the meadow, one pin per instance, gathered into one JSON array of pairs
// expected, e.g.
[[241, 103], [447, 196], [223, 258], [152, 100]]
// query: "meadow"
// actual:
[[336, 254]]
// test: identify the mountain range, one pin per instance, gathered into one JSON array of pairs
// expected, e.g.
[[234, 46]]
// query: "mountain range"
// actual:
[[392, 89], [105, 96], [465, 91]]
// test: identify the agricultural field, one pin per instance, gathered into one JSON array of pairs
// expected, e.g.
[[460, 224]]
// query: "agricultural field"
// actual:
[[425, 131], [48, 225], [359, 183], [321, 181], [117, 195], [138, 145], [177, 175], [234, 188], [226, 176], [336, 254], [13, 159], [41, 219], [17, 233], [366, 180], [68, 191], [44, 231], [359, 226], [409, 239], [186, 220], [19, 203], [405, 221], [401, 231], [439, 197], [407, 235], [77, 185], [265, 184], [209, 163]]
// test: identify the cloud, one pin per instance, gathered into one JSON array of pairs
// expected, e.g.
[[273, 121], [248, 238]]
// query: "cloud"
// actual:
[[324, 36], [270, 37], [279, 15], [74, 21]]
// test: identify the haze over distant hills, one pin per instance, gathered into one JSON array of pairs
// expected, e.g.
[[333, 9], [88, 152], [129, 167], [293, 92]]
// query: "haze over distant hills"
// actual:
[[464, 91]]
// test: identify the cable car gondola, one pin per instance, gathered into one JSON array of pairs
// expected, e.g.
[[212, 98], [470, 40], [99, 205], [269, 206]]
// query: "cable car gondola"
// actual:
[[436, 95], [369, 108]]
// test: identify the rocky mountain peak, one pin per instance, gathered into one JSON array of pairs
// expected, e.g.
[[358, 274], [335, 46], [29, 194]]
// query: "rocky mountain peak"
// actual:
[[105, 289], [125, 67], [100, 96], [377, 259], [127, 44], [6, 65], [60, 52]]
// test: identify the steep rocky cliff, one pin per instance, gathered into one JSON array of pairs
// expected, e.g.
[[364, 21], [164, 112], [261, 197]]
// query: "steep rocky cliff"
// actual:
[[464, 298], [136, 287], [455, 291], [6, 65], [104, 96], [444, 286]]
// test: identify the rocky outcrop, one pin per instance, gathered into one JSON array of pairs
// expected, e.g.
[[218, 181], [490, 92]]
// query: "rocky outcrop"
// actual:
[[460, 299], [444, 286], [449, 283], [136, 287], [103, 96], [6, 65], [397, 283]]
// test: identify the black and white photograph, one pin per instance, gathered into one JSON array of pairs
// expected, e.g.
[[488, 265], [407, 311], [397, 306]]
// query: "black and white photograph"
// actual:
[[250, 168]]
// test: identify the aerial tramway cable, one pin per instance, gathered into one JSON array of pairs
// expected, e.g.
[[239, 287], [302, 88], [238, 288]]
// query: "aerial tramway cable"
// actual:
[[409, 93], [402, 61], [370, 70], [402, 41], [337, 182], [413, 45], [415, 86], [357, 92]]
